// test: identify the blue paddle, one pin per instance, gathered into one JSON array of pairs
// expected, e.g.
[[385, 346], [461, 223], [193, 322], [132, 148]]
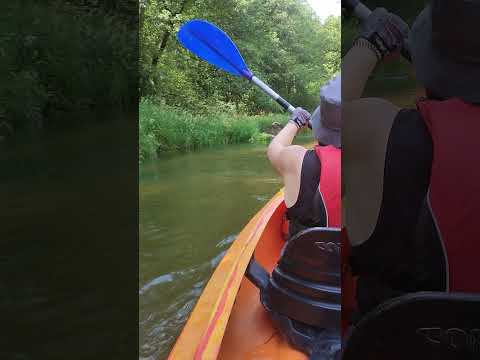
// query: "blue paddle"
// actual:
[[213, 45]]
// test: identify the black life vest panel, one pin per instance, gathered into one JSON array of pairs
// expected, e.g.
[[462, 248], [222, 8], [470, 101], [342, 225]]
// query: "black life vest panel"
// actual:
[[318, 203]]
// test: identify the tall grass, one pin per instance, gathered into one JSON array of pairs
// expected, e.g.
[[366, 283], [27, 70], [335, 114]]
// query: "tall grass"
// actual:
[[167, 129]]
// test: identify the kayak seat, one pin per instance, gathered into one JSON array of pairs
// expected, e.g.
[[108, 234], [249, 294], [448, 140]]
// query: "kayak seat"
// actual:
[[422, 325], [305, 284], [302, 294]]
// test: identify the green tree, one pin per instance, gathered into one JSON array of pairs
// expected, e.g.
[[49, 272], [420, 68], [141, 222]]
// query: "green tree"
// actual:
[[283, 41]]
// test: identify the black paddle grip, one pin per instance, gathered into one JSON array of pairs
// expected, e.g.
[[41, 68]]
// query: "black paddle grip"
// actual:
[[349, 4], [283, 103]]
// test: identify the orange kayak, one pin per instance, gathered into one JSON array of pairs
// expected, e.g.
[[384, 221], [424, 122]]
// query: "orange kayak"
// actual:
[[228, 321]]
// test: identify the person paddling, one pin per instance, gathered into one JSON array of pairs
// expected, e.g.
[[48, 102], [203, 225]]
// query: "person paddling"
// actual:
[[410, 175], [311, 177]]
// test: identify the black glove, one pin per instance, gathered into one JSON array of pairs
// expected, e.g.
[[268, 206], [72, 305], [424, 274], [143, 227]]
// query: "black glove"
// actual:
[[300, 117], [387, 32]]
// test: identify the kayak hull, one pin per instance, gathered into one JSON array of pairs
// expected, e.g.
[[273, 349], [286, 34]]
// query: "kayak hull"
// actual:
[[228, 321]]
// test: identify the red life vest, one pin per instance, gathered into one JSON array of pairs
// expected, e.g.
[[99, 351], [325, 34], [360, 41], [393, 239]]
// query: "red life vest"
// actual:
[[454, 193], [330, 189], [330, 182]]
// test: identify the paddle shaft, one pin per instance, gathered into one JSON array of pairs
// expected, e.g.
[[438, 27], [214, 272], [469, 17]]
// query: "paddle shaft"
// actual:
[[362, 13], [267, 90]]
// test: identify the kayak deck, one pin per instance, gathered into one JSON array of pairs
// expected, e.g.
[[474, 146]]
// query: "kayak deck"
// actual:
[[228, 321], [250, 333]]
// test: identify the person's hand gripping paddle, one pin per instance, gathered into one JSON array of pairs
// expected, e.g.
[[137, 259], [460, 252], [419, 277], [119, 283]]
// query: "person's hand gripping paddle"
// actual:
[[362, 12], [213, 45]]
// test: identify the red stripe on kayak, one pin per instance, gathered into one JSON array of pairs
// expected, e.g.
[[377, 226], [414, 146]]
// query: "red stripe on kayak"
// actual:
[[203, 343], [221, 306]]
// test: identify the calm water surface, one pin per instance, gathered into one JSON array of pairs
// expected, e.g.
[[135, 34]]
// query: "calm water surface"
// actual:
[[191, 208]]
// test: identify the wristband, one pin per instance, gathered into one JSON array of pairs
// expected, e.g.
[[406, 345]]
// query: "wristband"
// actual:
[[362, 42], [297, 124]]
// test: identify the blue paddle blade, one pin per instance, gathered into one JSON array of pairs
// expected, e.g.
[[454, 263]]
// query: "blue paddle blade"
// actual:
[[211, 44]]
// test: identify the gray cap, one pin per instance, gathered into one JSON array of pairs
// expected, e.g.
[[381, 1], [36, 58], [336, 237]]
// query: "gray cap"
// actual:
[[326, 120], [442, 66]]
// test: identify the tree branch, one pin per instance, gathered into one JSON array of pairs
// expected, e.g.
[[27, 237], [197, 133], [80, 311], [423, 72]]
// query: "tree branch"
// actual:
[[166, 35]]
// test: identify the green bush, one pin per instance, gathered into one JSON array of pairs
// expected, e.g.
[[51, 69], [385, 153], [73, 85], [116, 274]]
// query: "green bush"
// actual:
[[67, 62], [164, 128]]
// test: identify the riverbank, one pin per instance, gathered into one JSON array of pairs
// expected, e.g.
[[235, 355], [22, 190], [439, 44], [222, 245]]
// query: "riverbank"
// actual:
[[165, 129]]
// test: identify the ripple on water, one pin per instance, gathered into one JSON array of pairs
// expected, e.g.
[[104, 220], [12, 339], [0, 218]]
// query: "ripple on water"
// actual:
[[178, 275], [227, 241], [164, 327], [157, 281], [216, 260], [261, 198], [161, 328]]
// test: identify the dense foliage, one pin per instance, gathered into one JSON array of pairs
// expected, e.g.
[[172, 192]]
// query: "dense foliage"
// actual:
[[283, 42], [58, 58]]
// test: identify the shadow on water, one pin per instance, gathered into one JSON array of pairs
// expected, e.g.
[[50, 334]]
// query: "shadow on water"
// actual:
[[67, 241], [191, 208]]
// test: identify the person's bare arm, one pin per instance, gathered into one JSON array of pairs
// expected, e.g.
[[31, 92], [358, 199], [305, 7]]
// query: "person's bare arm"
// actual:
[[357, 65], [366, 123], [381, 34], [360, 115], [277, 151], [287, 158], [366, 130], [281, 153]]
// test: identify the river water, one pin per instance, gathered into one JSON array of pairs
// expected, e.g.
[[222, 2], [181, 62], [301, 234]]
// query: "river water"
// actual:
[[191, 208]]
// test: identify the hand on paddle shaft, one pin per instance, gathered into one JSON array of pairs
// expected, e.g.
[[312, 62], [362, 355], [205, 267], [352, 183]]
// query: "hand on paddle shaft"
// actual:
[[300, 118], [387, 32]]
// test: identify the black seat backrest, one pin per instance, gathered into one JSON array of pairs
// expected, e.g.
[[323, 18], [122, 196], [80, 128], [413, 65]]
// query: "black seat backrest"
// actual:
[[313, 254], [424, 325], [305, 284]]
